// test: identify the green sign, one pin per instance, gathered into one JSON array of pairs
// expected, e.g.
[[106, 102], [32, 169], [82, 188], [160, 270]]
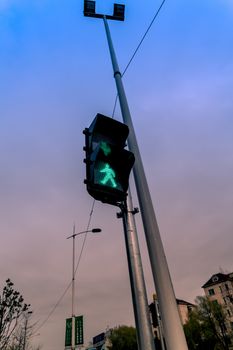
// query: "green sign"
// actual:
[[78, 331], [68, 338], [105, 148]]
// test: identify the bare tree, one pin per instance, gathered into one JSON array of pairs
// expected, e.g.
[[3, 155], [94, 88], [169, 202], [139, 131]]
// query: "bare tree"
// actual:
[[23, 334], [12, 307]]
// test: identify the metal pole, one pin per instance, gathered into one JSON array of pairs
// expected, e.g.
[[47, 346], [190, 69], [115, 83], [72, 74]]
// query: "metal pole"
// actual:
[[73, 293], [137, 282], [94, 230], [173, 330], [159, 322]]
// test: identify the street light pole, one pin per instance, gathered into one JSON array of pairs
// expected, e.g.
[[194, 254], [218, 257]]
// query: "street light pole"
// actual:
[[155, 301], [73, 292], [138, 288], [94, 230], [173, 330]]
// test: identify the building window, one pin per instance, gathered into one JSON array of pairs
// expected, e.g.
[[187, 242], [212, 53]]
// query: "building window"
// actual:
[[211, 291], [189, 307], [215, 278]]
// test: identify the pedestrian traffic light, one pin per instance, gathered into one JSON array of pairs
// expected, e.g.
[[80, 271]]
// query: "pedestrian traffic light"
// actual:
[[108, 163]]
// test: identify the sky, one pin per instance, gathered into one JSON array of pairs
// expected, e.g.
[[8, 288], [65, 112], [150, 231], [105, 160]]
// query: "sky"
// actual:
[[55, 76]]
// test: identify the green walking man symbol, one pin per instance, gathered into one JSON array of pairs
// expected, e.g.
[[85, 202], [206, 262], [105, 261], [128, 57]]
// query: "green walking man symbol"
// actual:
[[109, 175]]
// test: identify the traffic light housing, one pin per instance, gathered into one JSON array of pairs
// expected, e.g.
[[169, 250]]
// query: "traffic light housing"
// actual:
[[154, 316], [108, 163]]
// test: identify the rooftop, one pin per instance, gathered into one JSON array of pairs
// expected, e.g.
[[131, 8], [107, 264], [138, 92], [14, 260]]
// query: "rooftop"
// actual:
[[218, 278]]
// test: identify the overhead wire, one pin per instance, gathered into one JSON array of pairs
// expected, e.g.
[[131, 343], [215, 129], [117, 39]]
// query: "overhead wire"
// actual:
[[54, 308], [114, 107], [143, 37], [85, 237], [70, 283], [93, 204], [136, 50]]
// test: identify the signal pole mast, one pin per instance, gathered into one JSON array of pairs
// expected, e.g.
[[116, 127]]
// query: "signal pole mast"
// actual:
[[138, 288], [173, 330]]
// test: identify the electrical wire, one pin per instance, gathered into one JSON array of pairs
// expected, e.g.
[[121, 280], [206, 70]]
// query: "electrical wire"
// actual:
[[54, 308], [85, 237], [70, 283], [136, 50], [143, 37], [114, 107]]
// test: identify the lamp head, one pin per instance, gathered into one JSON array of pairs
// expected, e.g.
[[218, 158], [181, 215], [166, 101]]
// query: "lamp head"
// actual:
[[95, 230]]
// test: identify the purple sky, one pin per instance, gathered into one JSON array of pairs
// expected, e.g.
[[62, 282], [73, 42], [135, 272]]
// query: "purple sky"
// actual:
[[55, 76]]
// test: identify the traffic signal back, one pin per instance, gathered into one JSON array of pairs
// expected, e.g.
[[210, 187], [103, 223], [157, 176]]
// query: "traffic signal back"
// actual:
[[154, 315]]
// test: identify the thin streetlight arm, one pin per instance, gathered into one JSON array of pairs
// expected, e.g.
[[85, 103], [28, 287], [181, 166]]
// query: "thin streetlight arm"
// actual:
[[94, 230]]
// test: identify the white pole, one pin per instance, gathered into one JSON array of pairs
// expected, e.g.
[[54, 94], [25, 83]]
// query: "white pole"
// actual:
[[73, 293], [173, 330], [94, 230], [137, 282], [159, 321]]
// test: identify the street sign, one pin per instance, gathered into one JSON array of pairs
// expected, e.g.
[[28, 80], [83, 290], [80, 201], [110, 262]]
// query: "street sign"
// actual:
[[79, 340], [99, 341], [79, 330], [68, 337]]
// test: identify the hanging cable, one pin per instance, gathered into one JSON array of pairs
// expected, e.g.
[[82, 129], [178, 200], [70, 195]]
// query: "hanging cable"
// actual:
[[114, 107], [137, 48], [70, 283], [54, 307], [145, 34], [85, 236]]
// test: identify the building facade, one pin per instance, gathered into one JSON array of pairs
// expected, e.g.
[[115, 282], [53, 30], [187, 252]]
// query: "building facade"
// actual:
[[184, 308], [219, 289]]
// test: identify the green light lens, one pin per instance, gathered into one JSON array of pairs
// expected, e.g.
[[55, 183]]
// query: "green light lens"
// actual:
[[105, 175], [109, 176], [105, 148]]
